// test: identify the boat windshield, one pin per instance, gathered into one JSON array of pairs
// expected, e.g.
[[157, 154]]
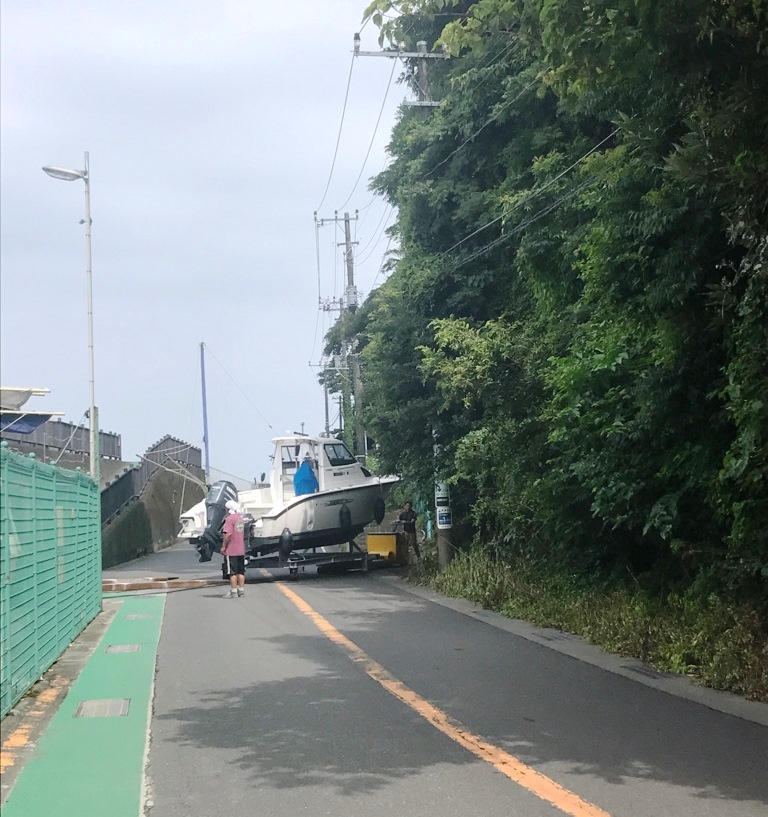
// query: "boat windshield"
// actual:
[[288, 456], [338, 454]]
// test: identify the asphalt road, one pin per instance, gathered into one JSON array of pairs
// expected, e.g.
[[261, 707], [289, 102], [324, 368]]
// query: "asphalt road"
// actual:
[[354, 695]]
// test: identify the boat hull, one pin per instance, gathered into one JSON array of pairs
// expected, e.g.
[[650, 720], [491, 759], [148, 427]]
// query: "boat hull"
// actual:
[[320, 519]]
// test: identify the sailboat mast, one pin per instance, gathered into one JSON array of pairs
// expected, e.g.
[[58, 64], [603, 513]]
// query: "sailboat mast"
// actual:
[[205, 414]]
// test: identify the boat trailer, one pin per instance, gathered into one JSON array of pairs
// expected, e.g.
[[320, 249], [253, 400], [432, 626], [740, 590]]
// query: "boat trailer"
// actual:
[[355, 558]]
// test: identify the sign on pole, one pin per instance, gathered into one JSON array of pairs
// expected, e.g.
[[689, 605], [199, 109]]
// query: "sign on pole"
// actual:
[[442, 495]]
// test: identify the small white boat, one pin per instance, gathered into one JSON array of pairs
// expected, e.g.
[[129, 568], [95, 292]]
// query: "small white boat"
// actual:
[[347, 497], [193, 522]]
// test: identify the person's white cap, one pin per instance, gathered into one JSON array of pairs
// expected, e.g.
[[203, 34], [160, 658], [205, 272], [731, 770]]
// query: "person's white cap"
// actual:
[[232, 506]]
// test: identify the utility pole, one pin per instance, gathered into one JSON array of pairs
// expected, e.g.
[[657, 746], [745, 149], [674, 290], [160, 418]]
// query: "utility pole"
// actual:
[[205, 413], [357, 385], [325, 393], [352, 399], [422, 77], [349, 302], [351, 288], [357, 381], [443, 514]]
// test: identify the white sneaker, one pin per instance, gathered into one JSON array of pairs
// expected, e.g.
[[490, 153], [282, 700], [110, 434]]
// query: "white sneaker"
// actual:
[[240, 592], [230, 595]]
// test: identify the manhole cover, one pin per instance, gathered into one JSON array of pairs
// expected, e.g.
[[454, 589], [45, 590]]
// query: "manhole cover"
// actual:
[[103, 708]]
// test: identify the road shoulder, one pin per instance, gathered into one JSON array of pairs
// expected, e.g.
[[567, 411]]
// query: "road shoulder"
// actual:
[[576, 647]]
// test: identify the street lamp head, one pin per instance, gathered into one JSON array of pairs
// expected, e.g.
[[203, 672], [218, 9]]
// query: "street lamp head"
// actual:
[[65, 173]]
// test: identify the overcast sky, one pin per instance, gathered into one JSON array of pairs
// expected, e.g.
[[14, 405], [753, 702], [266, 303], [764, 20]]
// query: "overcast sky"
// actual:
[[211, 129]]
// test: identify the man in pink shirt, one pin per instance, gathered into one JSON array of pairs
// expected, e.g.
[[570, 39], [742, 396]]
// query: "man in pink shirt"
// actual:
[[233, 549]]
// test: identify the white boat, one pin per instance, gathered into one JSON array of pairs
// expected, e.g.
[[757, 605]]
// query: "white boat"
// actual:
[[193, 522], [348, 497]]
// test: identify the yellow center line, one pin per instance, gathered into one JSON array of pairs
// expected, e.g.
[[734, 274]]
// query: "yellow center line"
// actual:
[[20, 736], [513, 768]]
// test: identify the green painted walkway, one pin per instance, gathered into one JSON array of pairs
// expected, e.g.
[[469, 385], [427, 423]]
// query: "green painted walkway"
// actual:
[[92, 766]]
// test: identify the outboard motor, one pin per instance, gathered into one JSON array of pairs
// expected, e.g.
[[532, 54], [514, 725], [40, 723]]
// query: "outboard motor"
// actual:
[[216, 512]]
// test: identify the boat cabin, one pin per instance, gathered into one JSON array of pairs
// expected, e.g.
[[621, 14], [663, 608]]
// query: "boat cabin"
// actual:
[[332, 462]]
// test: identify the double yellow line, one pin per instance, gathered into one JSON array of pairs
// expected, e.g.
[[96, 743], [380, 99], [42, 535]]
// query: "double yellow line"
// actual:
[[513, 768]]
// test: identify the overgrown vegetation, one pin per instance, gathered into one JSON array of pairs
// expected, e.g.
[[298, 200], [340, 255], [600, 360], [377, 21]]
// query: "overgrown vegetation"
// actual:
[[717, 642], [577, 311]]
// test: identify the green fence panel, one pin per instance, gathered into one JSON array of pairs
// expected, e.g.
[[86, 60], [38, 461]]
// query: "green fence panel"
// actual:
[[50, 566]]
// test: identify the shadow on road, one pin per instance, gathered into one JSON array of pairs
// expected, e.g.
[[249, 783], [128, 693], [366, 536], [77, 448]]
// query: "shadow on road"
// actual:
[[316, 720]]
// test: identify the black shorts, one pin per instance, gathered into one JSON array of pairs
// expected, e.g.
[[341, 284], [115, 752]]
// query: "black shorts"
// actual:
[[234, 565]]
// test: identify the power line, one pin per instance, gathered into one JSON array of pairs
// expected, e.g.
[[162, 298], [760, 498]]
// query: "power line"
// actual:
[[338, 138], [373, 137], [382, 265], [503, 238], [493, 60], [485, 124], [314, 340], [385, 214], [540, 214], [532, 195], [208, 348], [378, 241], [520, 227]]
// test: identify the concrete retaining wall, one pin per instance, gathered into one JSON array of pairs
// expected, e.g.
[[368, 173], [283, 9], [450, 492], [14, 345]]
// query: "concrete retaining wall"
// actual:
[[151, 522]]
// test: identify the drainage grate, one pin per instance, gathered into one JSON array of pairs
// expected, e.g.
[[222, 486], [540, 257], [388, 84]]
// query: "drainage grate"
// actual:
[[123, 648], [103, 708], [648, 673], [134, 616], [552, 636]]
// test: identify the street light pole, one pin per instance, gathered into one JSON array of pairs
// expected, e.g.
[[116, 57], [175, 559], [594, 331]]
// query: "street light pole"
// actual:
[[70, 175]]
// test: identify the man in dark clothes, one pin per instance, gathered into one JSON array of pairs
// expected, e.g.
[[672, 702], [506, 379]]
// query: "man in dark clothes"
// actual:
[[408, 519]]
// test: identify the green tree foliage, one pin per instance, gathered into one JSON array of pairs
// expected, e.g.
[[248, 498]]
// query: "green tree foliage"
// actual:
[[578, 312]]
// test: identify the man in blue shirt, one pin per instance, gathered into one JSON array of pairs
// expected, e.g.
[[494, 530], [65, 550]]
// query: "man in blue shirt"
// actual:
[[304, 480]]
